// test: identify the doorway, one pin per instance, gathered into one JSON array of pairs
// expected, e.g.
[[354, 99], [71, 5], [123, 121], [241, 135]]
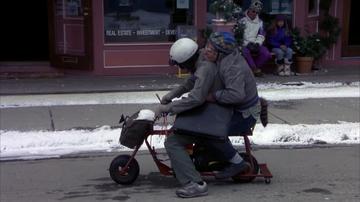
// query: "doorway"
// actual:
[[351, 33], [70, 34], [26, 36]]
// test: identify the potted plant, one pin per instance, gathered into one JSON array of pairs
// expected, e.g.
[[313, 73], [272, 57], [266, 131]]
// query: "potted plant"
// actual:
[[313, 46], [308, 48], [331, 30], [238, 30], [223, 10]]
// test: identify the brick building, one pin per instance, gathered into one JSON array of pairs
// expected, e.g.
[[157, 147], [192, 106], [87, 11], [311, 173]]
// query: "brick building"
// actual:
[[132, 37]]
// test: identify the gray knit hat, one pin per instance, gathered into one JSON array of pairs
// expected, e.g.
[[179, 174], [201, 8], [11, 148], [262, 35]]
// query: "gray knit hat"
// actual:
[[223, 42], [257, 5]]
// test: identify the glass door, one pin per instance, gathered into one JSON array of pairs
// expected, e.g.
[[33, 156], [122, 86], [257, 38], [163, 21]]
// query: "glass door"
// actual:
[[70, 34]]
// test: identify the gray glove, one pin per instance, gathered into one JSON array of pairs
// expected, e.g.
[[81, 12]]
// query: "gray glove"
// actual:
[[161, 110], [177, 92], [253, 47], [167, 98]]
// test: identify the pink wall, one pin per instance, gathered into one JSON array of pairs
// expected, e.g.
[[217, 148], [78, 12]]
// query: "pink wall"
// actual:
[[120, 59], [299, 13], [150, 58], [98, 45], [333, 56], [302, 20], [134, 58]]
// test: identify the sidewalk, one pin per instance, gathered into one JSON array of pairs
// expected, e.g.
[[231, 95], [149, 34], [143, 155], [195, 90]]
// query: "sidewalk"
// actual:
[[96, 84], [88, 116]]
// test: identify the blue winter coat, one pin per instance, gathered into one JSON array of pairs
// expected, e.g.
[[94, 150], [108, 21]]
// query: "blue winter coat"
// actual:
[[280, 38]]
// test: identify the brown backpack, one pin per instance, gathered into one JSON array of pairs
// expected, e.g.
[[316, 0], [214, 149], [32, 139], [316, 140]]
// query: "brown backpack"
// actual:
[[264, 112]]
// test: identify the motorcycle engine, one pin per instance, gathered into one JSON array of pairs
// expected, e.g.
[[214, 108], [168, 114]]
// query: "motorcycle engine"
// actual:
[[205, 160]]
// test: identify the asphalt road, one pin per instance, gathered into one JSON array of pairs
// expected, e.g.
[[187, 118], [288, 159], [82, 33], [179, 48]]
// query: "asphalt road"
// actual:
[[321, 173], [329, 173]]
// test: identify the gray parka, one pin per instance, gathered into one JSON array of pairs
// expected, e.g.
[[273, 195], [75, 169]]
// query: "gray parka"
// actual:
[[205, 80], [240, 84]]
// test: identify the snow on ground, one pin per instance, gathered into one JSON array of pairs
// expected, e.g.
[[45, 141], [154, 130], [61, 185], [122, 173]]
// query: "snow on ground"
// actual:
[[45, 144], [271, 91]]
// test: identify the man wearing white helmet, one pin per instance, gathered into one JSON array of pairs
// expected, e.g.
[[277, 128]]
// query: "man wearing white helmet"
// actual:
[[185, 54], [204, 79]]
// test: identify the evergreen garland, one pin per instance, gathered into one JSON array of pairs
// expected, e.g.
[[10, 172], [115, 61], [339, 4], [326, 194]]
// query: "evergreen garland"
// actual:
[[316, 45], [330, 25], [225, 8], [238, 30]]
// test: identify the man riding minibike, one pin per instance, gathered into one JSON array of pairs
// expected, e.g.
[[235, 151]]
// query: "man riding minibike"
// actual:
[[219, 74]]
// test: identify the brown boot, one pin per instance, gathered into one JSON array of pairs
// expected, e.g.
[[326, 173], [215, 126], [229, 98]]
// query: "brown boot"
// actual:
[[280, 70], [257, 72]]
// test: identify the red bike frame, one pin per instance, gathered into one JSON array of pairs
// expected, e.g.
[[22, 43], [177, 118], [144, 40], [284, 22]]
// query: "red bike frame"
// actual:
[[166, 170]]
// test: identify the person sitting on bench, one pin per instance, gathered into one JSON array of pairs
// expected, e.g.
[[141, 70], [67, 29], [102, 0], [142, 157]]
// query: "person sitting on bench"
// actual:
[[280, 42], [255, 53]]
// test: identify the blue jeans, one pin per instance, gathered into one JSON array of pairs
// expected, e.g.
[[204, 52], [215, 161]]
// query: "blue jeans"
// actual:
[[183, 166], [238, 125], [181, 163], [281, 54]]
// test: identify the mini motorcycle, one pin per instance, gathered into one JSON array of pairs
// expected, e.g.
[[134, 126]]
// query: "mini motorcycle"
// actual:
[[124, 169]]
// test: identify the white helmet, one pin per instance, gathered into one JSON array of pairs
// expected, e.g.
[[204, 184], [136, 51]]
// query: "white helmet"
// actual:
[[183, 49]]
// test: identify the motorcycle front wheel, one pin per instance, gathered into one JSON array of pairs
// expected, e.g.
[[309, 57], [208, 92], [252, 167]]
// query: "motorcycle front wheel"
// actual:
[[127, 177]]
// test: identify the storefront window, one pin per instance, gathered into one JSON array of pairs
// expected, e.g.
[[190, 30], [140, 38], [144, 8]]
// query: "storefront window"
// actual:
[[278, 7], [313, 7], [147, 21], [270, 9], [73, 8]]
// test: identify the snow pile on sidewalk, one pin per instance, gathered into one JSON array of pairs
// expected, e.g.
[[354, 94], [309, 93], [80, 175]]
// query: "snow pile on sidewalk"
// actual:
[[306, 90], [45, 144]]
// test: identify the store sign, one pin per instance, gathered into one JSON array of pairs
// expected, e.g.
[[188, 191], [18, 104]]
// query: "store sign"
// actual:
[[146, 32], [182, 4]]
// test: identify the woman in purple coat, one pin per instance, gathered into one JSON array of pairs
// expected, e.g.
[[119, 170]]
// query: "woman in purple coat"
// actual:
[[280, 42]]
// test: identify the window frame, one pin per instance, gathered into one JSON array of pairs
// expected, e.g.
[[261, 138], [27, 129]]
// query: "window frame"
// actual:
[[316, 9], [152, 38]]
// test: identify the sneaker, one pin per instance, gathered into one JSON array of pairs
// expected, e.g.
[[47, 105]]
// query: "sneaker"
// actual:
[[282, 73], [257, 73], [280, 69], [232, 170], [192, 189]]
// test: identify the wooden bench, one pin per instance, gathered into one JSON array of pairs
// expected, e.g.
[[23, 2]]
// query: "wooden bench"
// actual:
[[182, 74]]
